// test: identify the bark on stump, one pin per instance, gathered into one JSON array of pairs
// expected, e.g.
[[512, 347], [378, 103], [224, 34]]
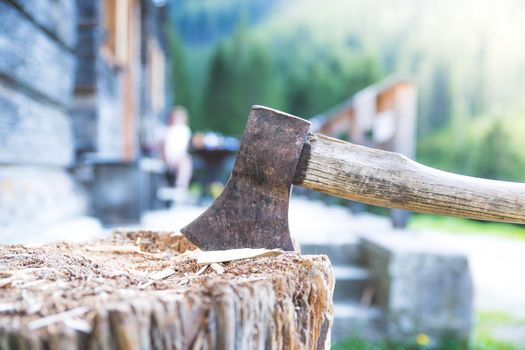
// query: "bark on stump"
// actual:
[[138, 290]]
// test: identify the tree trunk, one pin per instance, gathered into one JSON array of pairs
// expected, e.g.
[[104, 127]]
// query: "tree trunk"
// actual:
[[139, 290]]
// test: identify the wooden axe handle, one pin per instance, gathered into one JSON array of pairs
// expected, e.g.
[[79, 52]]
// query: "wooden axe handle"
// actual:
[[391, 180]]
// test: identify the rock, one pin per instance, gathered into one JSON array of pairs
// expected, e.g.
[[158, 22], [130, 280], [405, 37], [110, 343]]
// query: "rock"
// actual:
[[424, 287]]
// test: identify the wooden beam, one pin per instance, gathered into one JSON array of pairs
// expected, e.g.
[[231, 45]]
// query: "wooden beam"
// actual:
[[32, 131], [58, 17], [31, 58]]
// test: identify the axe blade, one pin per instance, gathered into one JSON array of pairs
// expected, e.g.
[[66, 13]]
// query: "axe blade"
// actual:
[[252, 210]]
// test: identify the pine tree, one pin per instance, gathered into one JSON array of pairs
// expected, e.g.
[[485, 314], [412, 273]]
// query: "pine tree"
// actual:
[[218, 102], [241, 75], [180, 78]]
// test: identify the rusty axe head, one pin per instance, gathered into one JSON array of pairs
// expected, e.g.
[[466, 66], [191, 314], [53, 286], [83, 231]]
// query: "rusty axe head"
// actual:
[[252, 211]]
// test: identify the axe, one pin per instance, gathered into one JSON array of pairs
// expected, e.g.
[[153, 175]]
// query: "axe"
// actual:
[[277, 150]]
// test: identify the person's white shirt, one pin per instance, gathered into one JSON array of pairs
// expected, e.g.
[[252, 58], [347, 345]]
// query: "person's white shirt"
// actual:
[[176, 143]]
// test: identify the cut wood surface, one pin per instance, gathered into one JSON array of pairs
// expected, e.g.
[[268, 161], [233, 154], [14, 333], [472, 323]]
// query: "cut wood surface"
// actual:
[[155, 296], [391, 180]]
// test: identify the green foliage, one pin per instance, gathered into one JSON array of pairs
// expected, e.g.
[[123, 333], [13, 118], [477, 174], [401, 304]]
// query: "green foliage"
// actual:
[[465, 226], [241, 75], [481, 342], [314, 85], [244, 70], [487, 322], [486, 148], [489, 343], [495, 157], [180, 80], [305, 58], [438, 100], [355, 343]]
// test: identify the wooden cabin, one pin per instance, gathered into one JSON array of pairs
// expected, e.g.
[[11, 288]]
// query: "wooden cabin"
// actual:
[[82, 84], [381, 116], [120, 86], [121, 101]]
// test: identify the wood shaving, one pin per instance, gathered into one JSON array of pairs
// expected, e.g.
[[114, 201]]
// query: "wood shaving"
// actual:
[[159, 275], [6, 282], [188, 254], [216, 256], [78, 325], [123, 249], [217, 268], [201, 270], [146, 284], [7, 308]]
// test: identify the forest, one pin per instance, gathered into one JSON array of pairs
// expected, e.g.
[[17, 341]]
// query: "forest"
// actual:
[[304, 57]]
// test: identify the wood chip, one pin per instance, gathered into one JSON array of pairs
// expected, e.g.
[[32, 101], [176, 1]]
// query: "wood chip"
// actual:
[[217, 268], [216, 256], [146, 284], [46, 321], [118, 249], [7, 308], [188, 254], [136, 273], [160, 275], [201, 270], [13, 276], [6, 282], [114, 248], [78, 325]]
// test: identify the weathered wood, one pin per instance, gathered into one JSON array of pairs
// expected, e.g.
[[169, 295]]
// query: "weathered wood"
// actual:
[[58, 17], [33, 132], [391, 180], [79, 298], [30, 57]]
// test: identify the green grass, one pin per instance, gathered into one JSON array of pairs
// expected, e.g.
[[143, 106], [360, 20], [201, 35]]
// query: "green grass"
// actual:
[[465, 226], [486, 323], [482, 337], [482, 343], [360, 344]]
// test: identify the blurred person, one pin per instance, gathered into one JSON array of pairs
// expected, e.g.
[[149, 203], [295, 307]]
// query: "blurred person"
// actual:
[[178, 160]]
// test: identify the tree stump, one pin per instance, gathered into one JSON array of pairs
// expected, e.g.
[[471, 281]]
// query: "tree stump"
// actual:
[[145, 290]]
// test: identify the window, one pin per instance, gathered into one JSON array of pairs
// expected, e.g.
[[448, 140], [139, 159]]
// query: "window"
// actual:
[[117, 20]]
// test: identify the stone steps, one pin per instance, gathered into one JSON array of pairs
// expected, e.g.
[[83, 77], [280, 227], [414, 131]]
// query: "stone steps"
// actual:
[[351, 282], [354, 319], [351, 318]]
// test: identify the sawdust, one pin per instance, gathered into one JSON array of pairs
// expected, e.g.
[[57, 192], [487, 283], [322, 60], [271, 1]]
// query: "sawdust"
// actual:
[[75, 285]]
